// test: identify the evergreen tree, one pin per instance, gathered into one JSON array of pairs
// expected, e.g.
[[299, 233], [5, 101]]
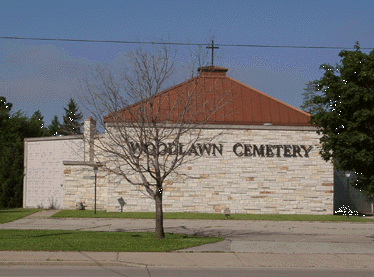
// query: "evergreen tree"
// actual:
[[310, 92], [72, 120], [4, 111], [13, 129], [11, 161], [37, 120], [54, 129]]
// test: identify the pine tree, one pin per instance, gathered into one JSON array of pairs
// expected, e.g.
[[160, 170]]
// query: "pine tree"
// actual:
[[37, 120], [72, 120], [37, 117], [4, 111], [310, 92], [14, 127], [54, 129]]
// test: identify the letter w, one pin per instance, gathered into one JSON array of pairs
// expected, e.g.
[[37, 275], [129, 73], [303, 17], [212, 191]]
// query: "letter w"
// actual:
[[204, 147]]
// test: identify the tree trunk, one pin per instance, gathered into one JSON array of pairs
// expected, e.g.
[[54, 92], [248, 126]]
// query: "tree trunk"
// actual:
[[159, 233]]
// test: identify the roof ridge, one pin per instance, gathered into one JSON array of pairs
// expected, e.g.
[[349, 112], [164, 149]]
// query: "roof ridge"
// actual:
[[269, 96], [262, 108]]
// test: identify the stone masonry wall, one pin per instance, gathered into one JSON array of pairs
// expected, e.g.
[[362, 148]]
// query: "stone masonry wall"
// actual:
[[79, 186], [286, 183]]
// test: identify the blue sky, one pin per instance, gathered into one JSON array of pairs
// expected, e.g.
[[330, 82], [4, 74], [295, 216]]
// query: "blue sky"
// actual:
[[45, 74]]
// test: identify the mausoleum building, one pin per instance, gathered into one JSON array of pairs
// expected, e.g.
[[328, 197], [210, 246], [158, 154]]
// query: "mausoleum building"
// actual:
[[264, 160]]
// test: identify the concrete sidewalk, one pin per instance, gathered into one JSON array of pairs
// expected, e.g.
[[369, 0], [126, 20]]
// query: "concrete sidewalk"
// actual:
[[247, 244], [201, 260]]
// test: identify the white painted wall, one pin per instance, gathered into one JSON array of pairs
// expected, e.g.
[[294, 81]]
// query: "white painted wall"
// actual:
[[44, 171]]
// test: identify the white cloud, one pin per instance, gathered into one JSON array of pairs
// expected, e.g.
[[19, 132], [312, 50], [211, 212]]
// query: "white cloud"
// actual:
[[40, 77]]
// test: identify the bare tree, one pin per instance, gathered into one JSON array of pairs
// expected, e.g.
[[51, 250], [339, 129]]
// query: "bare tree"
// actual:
[[150, 131]]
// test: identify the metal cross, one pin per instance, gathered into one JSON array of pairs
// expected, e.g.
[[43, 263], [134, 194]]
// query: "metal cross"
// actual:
[[212, 47]]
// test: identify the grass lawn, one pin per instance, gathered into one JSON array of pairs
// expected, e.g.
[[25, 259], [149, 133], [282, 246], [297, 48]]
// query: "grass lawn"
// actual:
[[8, 215], [47, 240], [281, 217]]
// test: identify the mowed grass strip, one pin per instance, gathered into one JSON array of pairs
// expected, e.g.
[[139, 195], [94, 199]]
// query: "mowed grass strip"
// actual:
[[8, 215], [145, 215], [138, 215], [58, 240], [299, 217]]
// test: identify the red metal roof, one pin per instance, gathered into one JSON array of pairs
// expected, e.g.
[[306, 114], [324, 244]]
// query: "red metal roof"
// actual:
[[243, 105]]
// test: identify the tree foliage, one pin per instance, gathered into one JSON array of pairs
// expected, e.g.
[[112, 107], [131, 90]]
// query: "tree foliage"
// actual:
[[345, 116], [14, 127], [309, 94], [72, 120], [54, 129], [37, 120]]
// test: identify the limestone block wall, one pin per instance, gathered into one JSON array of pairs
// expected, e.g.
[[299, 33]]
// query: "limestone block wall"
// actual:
[[271, 170], [44, 178], [79, 186]]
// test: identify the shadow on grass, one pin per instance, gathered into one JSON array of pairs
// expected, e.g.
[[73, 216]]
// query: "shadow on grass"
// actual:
[[51, 235], [41, 236]]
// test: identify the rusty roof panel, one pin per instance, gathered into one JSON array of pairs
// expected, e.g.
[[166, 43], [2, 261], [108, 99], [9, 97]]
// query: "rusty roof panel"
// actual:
[[255, 107], [265, 110], [246, 109], [274, 111], [243, 105], [283, 114]]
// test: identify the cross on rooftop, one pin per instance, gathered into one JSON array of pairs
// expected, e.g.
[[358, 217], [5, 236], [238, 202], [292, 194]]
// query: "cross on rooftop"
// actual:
[[212, 47]]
